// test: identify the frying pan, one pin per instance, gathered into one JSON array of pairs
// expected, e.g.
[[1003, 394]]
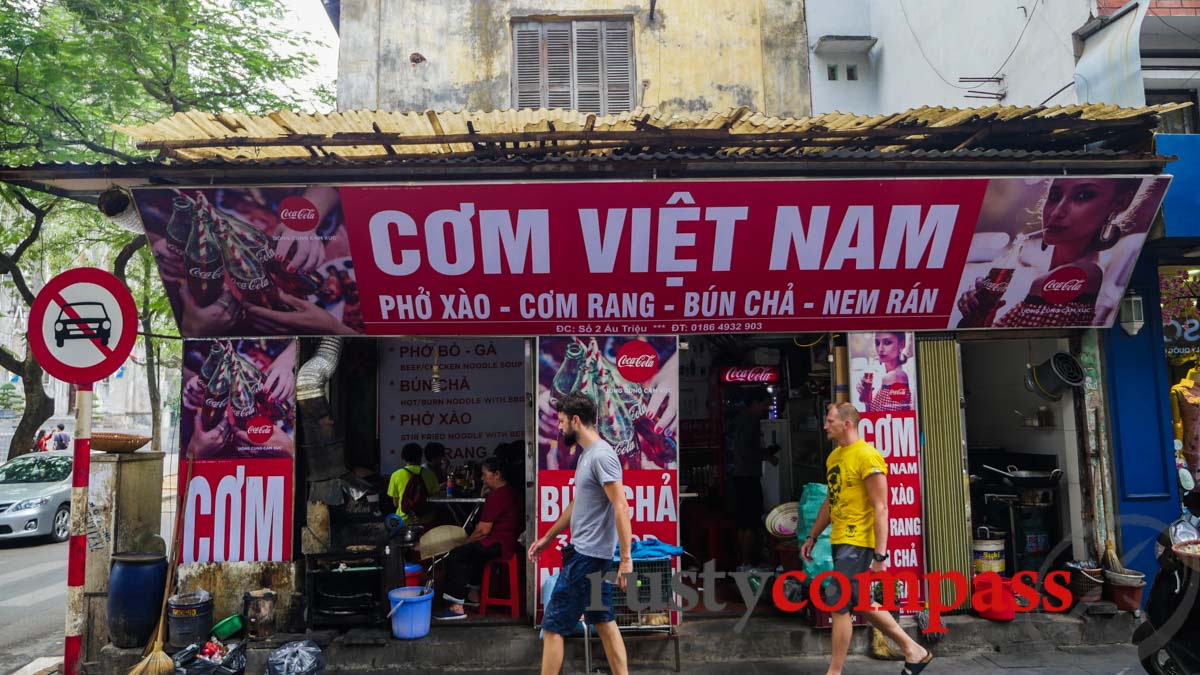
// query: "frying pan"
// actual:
[[1028, 479]]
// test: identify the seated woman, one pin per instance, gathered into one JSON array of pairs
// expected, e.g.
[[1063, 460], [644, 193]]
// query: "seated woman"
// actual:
[[494, 537]]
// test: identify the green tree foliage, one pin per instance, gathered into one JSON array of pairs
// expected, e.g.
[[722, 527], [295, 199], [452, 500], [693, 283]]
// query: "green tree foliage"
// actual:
[[10, 398], [72, 69]]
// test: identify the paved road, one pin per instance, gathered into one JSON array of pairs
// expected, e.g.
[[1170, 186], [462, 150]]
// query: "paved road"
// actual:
[[1108, 660], [33, 589]]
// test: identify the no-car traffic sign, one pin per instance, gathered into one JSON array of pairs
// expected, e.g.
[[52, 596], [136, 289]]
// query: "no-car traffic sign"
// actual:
[[82, 325]]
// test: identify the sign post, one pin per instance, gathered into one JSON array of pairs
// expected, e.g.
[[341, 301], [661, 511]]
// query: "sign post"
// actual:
[[82, 326]]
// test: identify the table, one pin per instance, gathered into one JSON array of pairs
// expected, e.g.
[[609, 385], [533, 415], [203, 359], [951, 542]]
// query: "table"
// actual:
[[457, 506]]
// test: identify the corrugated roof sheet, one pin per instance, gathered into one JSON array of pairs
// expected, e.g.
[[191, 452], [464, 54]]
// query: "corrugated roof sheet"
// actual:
[[538, 135]]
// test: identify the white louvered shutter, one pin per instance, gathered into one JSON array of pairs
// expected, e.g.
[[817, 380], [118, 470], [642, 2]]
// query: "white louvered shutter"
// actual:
[[618, 73], [588, 70], [558, 65], [528, 82]]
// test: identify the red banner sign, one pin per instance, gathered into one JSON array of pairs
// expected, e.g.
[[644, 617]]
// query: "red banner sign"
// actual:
[[749, 374], [883, 375], [658, 257]]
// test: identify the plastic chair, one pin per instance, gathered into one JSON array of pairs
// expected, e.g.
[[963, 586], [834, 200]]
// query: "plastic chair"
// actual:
[[508, 565]]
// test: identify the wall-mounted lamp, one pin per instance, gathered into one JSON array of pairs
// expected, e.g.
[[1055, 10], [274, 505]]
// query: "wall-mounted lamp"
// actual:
[[1132, 315]]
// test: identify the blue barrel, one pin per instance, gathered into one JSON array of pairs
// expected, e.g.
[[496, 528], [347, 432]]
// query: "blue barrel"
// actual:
[[135, 588]]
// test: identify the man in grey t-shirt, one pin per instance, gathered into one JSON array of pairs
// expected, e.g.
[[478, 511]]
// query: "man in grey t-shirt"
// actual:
[[599, 520]]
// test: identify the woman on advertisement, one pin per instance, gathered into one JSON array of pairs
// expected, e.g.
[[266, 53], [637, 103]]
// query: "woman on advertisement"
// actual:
[[894, 393], [1080, 220]]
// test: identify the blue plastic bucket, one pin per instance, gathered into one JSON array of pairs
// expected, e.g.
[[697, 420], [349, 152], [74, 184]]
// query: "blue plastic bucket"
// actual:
[[410, 612]]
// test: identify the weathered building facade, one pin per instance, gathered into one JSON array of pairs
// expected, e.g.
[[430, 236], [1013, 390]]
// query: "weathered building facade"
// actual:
[[606, 56]]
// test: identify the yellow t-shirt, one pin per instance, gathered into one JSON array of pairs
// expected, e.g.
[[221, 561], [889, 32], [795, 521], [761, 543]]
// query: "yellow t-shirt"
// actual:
[[849, 505], [399, 481]]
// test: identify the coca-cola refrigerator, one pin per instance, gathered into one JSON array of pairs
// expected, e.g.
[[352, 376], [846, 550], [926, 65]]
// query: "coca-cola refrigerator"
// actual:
[[778, 484], [735, 385]]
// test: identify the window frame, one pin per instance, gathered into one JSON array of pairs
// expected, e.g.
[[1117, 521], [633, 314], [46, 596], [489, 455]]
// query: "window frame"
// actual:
[[574, 25]]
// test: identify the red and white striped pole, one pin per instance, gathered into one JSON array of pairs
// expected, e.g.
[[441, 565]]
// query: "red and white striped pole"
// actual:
[[77, 563]]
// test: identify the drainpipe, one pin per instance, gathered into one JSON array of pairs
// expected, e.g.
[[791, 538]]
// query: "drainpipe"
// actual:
[[323, 449]]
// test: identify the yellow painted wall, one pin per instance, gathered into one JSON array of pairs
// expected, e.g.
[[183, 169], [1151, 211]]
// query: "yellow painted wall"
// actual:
[[695, 55]]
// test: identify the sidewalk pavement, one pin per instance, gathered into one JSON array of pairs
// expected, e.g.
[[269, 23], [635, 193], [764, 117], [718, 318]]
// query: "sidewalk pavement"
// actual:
[[1106, 660]]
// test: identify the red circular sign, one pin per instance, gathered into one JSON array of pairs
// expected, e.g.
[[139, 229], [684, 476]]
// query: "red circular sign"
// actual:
[[259, 429], [1064, 285], [637, 361], [299, 214], [82, 325]]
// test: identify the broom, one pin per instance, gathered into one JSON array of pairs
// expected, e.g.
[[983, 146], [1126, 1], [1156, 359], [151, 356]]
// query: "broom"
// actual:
[[156, 661]]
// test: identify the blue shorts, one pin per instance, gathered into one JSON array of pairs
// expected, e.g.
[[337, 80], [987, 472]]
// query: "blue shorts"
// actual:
[[573, 593]]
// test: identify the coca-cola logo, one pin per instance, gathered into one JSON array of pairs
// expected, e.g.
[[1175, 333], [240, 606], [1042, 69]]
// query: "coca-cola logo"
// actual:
[[1064, 285], [299, 214], [998, 287], [637, 361], [201, 274], [898, 393], [750, 374], [215, 402], [259, 429], [255, 284]]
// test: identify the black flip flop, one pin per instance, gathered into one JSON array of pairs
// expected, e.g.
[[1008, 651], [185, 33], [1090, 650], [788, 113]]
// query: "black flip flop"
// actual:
[[915, 668]]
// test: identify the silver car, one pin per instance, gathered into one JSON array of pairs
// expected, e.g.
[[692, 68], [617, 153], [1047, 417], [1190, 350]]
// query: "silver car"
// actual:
[[35, 496]]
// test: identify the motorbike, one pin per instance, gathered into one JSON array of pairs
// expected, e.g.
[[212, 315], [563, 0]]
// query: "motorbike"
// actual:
[[1168, 640]]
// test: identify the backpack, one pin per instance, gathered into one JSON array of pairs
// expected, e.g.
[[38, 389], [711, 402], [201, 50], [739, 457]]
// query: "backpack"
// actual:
[[60, 441], [415, 500]]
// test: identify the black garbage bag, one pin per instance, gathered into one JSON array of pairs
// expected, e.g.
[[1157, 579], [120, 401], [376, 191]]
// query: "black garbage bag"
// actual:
[[187, 663], [296, 658]]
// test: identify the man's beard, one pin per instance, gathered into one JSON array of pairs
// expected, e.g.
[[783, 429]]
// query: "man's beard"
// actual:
[[570, 438]]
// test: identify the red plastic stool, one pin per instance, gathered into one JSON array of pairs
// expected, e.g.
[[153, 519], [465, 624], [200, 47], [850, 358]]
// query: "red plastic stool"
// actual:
[[513, 601]]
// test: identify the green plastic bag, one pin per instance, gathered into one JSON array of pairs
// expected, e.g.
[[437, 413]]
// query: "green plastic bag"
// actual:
[[811, 500]]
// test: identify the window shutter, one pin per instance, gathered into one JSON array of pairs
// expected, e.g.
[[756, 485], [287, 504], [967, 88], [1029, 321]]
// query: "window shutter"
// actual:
[[558, 65], [589, 98], [618, 66], [527, 80]]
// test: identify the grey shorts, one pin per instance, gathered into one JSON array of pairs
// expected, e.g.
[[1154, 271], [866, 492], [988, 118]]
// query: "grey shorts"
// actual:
[[849, 561]]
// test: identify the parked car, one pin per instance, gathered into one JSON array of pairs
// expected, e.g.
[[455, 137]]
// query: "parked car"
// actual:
[[35, 496]]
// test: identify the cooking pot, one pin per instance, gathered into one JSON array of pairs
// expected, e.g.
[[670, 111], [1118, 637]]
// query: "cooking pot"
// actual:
[[1028, 479]]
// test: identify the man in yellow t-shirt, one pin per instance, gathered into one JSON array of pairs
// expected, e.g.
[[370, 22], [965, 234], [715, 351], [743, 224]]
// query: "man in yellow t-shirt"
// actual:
[[857, 507], [411, 454]]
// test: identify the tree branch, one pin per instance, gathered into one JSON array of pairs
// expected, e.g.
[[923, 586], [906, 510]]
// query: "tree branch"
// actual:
[[7, 264], [126, 254], [39, 217], [10, 362]]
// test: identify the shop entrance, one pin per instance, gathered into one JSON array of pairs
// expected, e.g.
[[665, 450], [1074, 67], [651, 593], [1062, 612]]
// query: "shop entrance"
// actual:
[[1022, 455], [720, 379]]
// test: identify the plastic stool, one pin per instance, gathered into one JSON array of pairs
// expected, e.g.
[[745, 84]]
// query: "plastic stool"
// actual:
[[513, 601]]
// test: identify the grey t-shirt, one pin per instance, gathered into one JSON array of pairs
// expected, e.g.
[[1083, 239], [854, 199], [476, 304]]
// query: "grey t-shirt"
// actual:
[[593, 525]]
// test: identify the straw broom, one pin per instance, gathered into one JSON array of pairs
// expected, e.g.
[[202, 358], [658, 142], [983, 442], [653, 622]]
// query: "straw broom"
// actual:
[[156, 661]]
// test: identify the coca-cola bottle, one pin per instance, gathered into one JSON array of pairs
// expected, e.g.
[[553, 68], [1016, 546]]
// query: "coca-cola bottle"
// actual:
[[216, 399], [249, 277], [570, 374], [247, 383], [215, 356], [183, 213], [993, 287], [659, 447], [205, 271]]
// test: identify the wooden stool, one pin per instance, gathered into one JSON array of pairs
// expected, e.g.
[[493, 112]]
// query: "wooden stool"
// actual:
[[513, 601]]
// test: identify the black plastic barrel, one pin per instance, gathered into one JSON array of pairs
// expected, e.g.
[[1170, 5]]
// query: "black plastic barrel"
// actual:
[[189, 618], [135, 588]]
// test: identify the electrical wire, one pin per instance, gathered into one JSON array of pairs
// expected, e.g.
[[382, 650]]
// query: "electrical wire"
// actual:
[[921, 48], [811, 344], [1174, 28], [1028, 20], [1061, 90]]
